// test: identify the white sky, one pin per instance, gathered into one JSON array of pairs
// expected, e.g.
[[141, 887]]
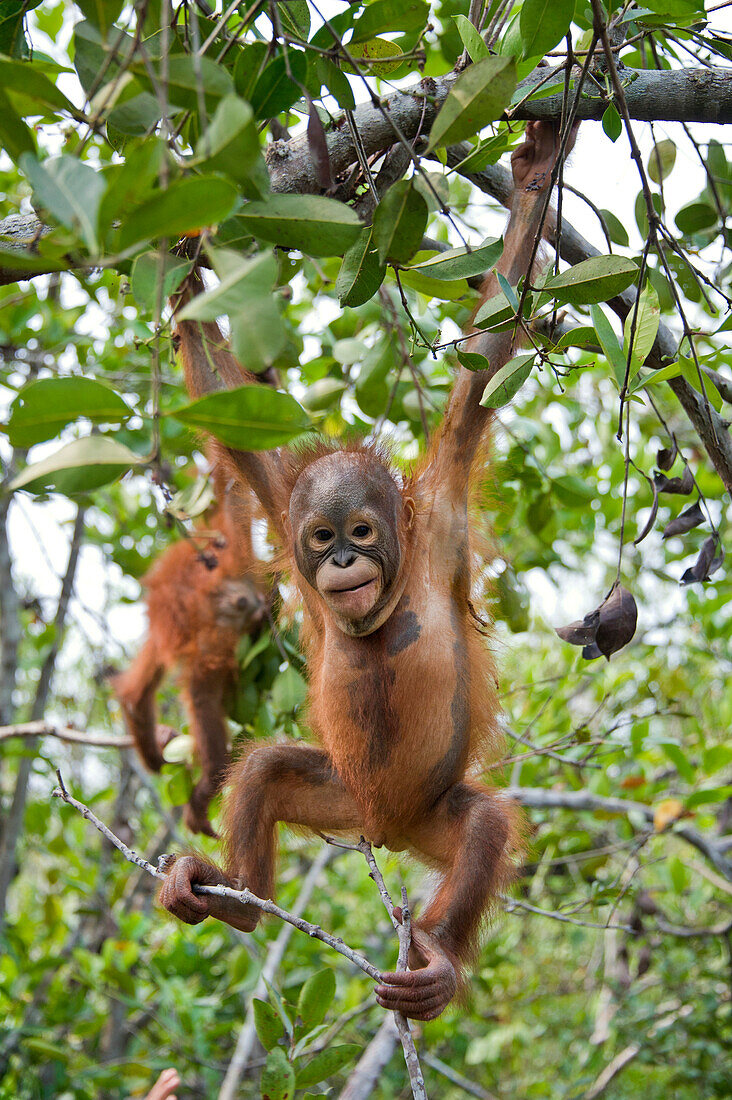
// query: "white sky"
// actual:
[[600, 169]]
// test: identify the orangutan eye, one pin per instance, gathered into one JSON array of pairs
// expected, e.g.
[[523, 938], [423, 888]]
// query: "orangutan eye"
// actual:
[[361, 531], [322, 535]]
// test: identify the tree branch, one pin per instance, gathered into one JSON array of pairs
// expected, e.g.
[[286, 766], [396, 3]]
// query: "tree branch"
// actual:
[[65, 733], [246, 897], [578, 801]]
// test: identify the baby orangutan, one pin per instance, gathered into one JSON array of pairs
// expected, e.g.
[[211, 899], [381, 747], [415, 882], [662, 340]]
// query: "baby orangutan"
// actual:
[[402, 688], [199, 604]]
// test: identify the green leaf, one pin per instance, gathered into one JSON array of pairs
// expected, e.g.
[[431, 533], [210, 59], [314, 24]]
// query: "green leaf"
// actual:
[[278, 1077], [389, 15], [573, 491], [506, 382], [661, 160], [313, 224], [231, 145], [612, 123], [458, 263], [478, 96], [399, 223], [79, 467], [315, 999], [277, 89], [245, 293], [543, 23], [24, 77], [43, 408], [696, 217], [679, 759], [617, 232], [328, 73], [186, 79], [250, 418], [186, 206], [495, 311], [240, 281], [711, 794], [323, 394], [146, 274], [609, 343], [69, 190], [268, 1024], [581, 337], [179, 784], [295, 17], [663, 374], [595, 280], [474, 44], [473, 360], [379, 56], [179, 750], [361, 274], [289, 691], [15, 137], [326, 1063], [646, 327]]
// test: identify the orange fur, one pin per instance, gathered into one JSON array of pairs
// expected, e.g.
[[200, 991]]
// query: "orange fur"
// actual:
[[405, 709], [201, 597]]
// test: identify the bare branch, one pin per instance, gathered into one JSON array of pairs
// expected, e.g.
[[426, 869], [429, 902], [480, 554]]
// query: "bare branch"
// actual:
[[65, 733], [245, 897]]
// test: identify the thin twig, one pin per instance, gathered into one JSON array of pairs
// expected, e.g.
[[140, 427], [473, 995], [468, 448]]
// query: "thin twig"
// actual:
[[245, 897]]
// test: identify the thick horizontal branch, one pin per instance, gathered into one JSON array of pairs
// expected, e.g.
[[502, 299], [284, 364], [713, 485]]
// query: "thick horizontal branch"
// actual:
[[686, 95], [65, 733], [539, 799]]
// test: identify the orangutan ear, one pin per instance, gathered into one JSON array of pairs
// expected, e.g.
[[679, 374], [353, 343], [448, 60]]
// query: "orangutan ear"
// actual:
[[409, 510]]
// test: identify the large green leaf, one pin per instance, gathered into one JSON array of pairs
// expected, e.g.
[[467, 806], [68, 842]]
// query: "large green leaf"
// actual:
[[361, 273], [231, 145], [245, 293], [507, 381], [186, 79], [399, 222], [21, 76], [185, 207], [280, 85], [310, 223], [326, 1063], [79, 467], [647, 320], [478, 96], [278, 1077], [543, 23], [315, 998], [250, 418], [609, 343], [390, 15], [69, 190], [472, 40], [595, 280], [458, 263], [268, 1024], [44, 407], [152, 269]]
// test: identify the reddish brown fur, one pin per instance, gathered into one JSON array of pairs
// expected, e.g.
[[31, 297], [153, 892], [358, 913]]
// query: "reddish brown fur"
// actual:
[[202, 595], [405, 711]]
